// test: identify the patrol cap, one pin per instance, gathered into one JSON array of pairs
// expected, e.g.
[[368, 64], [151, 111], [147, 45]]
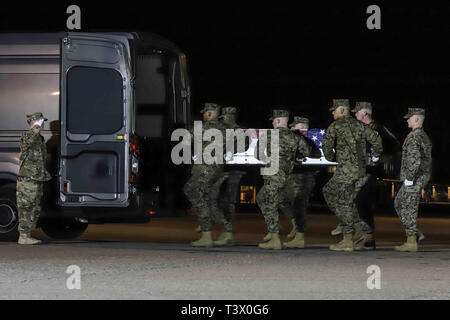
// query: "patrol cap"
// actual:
[[340, 103], [279, 113], [362, 105], [298, 120], [228, 111], [35, 116], [414, 111], [210, 107]]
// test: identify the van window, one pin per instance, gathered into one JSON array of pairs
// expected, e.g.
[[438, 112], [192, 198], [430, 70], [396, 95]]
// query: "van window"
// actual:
[[94, 100]]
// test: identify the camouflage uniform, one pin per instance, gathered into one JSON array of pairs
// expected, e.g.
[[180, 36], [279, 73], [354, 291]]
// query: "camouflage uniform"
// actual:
[[270, 197], [299, 185], [416, 167], [203, 176], [31, 177], [348, 137]]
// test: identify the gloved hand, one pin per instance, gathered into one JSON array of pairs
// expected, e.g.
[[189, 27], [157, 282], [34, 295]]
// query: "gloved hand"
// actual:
[[228, 156], [194, 157], [408, 183], [39, 122], [375, 159]]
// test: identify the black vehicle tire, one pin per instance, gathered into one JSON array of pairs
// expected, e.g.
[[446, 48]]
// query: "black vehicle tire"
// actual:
[[62, 229], [9, 214]]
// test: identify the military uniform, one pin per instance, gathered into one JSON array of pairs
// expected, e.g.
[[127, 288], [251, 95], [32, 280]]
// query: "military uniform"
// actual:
[[203, 176], [226, 190], [270, 197], [415, 167], [298, 189], [345, 142], [31, 178]]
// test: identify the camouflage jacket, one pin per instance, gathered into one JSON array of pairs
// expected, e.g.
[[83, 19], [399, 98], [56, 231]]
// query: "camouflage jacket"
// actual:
[[345, 142], [206, 125], [33, 156], [290, 145], [416, 156]]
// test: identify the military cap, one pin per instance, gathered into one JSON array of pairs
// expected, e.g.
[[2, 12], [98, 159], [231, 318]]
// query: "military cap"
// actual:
[[210, 107], [278, 113], [228, 111], [362, 105], [35, 116], [299, 120], [340, 103], [414, 111]]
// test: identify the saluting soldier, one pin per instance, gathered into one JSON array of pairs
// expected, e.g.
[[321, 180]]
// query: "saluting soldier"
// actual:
[[345, 142], [270, 196], [414, 173], [203, 176], [31, 177]]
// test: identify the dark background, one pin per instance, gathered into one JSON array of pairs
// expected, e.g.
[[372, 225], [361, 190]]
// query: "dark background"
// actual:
[[289, 55]]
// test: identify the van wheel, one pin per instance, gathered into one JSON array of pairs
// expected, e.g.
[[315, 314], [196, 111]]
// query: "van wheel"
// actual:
[[62, 229], [9, 214]]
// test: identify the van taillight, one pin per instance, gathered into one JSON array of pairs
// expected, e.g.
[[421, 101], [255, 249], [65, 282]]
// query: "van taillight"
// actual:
[[65, 187], [134, 145]]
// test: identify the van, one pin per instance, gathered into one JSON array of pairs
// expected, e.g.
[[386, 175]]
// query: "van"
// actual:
[[112, 100]]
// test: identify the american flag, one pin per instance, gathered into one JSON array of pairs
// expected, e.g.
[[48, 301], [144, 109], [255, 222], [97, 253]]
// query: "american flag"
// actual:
[[316, 135]]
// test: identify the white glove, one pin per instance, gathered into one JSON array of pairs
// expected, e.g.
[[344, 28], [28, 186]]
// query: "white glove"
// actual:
[[194, 157], [228, 156], [39, 122], [408, 183], [375, 159]]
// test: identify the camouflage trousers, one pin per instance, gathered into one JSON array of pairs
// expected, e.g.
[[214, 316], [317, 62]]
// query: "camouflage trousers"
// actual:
[[269, 199], [406, 205], [198, 192], [296, 194], [340, 197], [225, 192], [29, 196]]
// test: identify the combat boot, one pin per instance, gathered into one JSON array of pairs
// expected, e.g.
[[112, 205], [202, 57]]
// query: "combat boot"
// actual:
[[274, 242], [345, 245], [365, 242], [357, 234], [297, 242], [226, 238], [337, 231], [25, 238], [291, 235], [410, 245], [198, 229], [204, 241]]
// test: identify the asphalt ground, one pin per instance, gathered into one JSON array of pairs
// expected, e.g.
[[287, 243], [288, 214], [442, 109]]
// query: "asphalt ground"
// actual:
[[155, 261]]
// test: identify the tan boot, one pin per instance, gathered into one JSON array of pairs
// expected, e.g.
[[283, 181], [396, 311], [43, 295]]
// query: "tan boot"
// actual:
[[297, 242], [25, 238], [267, 237], [198, 229], [410, 245], [225, 239], [291, 234], [274, 242], [366, 242], [357, 234], [204, 241], [345, 245], [337, 231]]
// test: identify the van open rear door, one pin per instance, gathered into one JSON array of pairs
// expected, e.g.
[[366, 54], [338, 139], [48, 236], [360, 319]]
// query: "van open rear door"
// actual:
[[95, 120]]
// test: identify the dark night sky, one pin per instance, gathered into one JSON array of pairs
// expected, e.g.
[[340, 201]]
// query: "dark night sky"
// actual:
[[259, 57]]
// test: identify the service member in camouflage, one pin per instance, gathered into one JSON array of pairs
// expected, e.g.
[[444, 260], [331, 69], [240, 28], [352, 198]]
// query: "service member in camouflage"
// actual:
[[226, 190], [345, 142], [31, 177], [299, 187], [415, 173], [203, 176], [270, 196]]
